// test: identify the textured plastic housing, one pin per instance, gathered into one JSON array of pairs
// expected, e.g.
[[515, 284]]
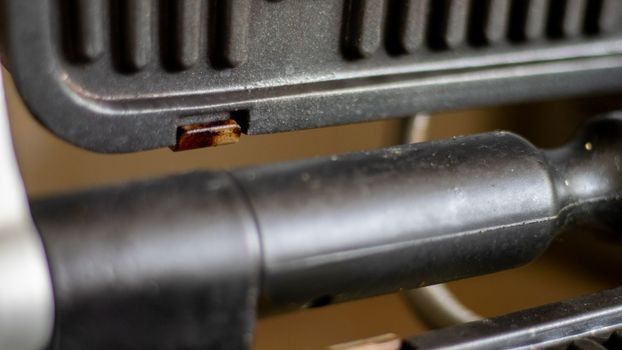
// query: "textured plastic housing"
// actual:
[[124, 75]]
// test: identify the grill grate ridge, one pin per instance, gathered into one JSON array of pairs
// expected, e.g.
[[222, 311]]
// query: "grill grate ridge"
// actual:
[[182, 34]]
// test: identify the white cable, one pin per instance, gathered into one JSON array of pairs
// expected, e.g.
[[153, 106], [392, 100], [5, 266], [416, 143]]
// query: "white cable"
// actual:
[[438, 307]]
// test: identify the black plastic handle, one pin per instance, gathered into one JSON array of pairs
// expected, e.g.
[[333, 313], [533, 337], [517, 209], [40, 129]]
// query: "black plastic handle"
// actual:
[[180, 262]]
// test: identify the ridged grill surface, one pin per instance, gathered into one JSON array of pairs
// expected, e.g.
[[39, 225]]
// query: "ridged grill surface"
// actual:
[[180, 27], [194, 32], [445, 24], [123, 75]]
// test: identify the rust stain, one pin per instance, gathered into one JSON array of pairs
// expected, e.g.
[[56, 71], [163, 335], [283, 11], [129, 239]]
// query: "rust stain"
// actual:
[[207, 135]]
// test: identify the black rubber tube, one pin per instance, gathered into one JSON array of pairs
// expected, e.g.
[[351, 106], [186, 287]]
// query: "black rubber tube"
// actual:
[[179, 262]]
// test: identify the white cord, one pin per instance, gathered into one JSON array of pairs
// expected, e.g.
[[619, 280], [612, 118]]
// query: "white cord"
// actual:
[[438, 307]]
